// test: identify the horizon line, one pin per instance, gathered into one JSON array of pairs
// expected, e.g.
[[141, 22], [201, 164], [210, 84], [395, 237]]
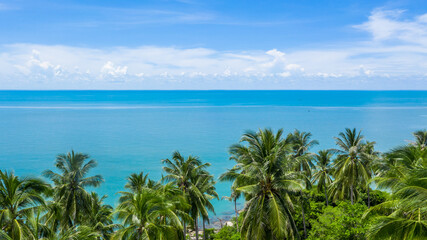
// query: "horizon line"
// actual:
[[347, 90]]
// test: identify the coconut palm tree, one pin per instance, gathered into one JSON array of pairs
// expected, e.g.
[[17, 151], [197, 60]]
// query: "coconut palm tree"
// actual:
[[99, 217], [147, 215], [369, 157], [323, 172], [235, 194], [404, 215], [302, 159], [70, 185], [184, 173], [36, 229], [178, 202], [139, 181], [263, 173], [231, 175], [409, 156], [180, 170], [420, 139], [75, 233], [52, 218], [18, 197], [350, 170], [200, 198], [301, 144]]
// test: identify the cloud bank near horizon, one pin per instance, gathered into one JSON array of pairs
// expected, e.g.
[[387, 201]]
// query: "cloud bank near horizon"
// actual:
[[394, 57]]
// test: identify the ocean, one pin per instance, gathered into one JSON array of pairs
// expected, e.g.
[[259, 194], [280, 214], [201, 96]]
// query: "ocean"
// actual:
[[132, 131]]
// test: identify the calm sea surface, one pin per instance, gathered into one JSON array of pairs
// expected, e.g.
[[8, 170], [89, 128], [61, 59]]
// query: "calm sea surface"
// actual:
[[131, 131]]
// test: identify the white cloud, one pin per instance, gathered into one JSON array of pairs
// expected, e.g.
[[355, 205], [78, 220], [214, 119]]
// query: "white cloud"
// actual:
[[36, 67], [364, 71], [294, 67], [328, 75], [277, 61], [109, 69], [388, 25], [276, 54], [395, 57], [284, 74]]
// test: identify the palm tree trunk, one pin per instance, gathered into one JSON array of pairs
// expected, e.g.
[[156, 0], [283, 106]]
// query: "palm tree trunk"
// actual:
[[235, 210], [196, 227], [326, 196], [369, 199], [351, 194], [204, 232], [185, 231], [303, 216], [292, 222]]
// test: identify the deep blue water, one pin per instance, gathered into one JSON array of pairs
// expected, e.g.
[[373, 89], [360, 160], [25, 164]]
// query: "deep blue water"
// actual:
[[131, 131]]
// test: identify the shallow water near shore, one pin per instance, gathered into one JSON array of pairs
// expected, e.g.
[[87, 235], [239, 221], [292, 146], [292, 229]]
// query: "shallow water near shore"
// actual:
[[131, 131]]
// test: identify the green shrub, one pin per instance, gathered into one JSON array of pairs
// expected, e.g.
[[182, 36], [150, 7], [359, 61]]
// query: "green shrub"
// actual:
[[227, 233], [342, 222]]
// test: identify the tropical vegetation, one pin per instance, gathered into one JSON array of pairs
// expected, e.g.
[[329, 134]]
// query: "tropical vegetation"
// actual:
[[280, 189]]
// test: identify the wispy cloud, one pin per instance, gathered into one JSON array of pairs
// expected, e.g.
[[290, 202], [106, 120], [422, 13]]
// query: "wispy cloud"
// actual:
[[130, 16], [395, 57], [108, 16], [388, 25]]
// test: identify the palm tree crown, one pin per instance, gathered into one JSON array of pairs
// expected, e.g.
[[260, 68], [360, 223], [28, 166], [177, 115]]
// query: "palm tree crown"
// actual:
[[70, 185], [263, 173], [147, 214], [196, 184], [420, 138], [404, 216], [351, 171], [17, 198], [323, 172]]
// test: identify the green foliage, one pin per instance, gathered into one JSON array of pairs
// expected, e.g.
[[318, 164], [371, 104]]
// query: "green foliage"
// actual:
[[286, 196], [404, 173], [323, 172], [70, 184], [376, 197], [210, 233], [17, 199], [316, 209], [350, 170], [341, 222], [146, 214], [195, 184], [227, 233], [263, 173], [313, 207]]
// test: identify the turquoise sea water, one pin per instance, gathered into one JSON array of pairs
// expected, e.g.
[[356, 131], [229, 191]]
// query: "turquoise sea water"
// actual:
[[131, 131]]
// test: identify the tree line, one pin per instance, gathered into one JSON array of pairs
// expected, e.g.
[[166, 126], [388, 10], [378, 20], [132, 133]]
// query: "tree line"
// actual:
[[349, 192]]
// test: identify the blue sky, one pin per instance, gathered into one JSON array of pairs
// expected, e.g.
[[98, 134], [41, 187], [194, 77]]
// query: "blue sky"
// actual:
[[192, 44]]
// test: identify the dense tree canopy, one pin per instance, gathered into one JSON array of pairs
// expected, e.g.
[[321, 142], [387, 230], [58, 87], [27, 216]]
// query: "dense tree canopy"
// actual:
[[351, 191]]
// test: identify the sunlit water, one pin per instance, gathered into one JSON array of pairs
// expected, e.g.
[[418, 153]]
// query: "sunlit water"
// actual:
[[131, 131]]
